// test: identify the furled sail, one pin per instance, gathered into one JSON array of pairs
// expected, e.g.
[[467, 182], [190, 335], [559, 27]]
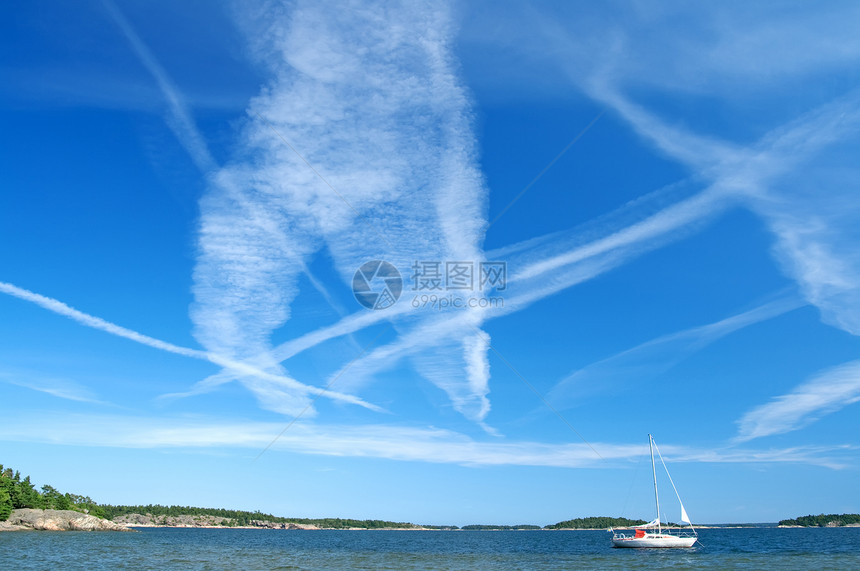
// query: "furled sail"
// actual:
[[653, 523]]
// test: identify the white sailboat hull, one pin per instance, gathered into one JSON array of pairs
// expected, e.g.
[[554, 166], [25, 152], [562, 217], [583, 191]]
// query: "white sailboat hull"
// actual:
[[654, 540]]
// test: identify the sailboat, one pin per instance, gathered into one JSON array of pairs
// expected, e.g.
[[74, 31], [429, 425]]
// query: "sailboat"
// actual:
[[646, 535]]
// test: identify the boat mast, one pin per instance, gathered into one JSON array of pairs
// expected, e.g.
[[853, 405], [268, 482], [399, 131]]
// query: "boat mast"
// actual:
[[654, 472]]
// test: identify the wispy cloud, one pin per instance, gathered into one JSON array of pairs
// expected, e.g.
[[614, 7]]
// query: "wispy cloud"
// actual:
[[402, 443], [808, 200], [237, 367], [731, 52], [775, 178], [250, 255], [56, 387], [743, 56], [445, 346], [235, 221], [544, 267], [539, 268], [754, 175], [648, 360], [825, 393], [815, 215], [360, 144], [61, 308], [835, 457], [181, 120]]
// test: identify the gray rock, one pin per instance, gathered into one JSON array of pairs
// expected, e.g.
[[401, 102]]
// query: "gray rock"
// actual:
[[60, 520]]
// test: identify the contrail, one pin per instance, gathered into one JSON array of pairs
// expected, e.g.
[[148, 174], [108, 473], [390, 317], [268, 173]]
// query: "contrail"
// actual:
[[61, 308], [183, 124]]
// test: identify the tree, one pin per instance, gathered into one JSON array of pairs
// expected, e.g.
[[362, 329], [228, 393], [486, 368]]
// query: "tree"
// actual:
[[24, 495], [6, 485], [53, 499], [5, 505]]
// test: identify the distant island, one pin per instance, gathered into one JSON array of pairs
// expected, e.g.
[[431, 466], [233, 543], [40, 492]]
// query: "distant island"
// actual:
[[491, 527], [823, 520], [596, 523]]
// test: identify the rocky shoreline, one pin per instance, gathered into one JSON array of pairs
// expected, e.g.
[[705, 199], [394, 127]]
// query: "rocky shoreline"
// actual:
[[57, 520], [202, 521], [216, 522], [67, 520]]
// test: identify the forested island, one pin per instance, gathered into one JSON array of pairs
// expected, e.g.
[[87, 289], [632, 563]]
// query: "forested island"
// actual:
[[491, 527], [596, 523], [19, 493], [823, 520]]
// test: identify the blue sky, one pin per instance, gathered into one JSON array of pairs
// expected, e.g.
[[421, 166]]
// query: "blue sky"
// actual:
[[189, 189]]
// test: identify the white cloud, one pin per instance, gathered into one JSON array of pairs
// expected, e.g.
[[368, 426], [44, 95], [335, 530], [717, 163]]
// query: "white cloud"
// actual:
[[825, 393], [538, 268], [261, 222], [754, 175], [738, 61], [181, 120], [732, 51], [401, 443], [56, 387], [250, 252], [653, 357], [61, 308], [361, 144], [260, 238], [237, 367], [806, 197], [542, 267]]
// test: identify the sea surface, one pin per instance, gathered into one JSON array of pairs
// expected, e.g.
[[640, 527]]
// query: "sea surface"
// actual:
[[162, 548]]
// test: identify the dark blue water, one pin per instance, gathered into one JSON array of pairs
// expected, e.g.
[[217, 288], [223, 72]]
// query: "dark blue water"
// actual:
[[204, 549]]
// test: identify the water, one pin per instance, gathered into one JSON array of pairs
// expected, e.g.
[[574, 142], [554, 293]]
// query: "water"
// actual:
[[215, 549]]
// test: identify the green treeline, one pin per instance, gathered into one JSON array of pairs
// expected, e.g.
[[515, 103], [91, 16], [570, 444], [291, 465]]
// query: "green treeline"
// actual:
[[17, 492], [489, 527], [823, 520], [596, 523], [243, 518]]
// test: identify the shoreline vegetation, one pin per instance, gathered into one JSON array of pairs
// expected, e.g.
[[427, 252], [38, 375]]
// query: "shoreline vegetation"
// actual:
[[823, 520], [25, 507]]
